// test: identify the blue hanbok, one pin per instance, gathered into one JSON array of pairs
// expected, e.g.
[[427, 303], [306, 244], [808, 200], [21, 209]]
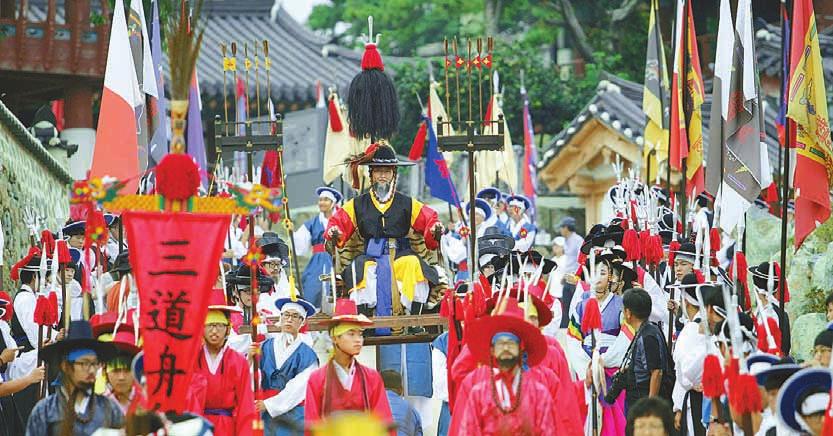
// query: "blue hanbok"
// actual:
[[309, 238], [285, 364]]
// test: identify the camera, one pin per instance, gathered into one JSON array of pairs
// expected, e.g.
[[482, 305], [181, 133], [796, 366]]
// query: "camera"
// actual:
[[621, 381]]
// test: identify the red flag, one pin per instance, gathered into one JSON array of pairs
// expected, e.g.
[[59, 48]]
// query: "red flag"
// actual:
[[174, 258]]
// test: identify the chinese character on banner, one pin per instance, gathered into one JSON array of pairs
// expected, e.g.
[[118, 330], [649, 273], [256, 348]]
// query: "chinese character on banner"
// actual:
[[174, 258]]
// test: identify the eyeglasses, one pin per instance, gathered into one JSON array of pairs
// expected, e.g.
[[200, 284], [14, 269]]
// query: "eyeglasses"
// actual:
[[87, 365], [821, 349], [270, 266], [292, 316], [216, 326]]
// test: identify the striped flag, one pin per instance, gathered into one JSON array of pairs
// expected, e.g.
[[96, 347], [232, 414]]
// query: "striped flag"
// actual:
[[655, 96], [530, 174], [687, 139], [807, 107], [116, 144]]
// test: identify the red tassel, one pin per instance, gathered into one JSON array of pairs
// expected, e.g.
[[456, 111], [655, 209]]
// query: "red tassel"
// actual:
[[47, 242], [644, 243], [743, 269], [419, 142], [658, 254], [41, 314], [700, 277], [672, 248], [592, 319], [78, 212], [14, 272], [782, 284], [712, 377], [714, 237], [63, 252], [177, 177], [372, 60], [774, 330], [630, 242], [53, 308], [744, 395], [335, 119]]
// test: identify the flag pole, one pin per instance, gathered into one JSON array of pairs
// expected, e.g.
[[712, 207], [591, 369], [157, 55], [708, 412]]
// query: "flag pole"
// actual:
[[785, 174]]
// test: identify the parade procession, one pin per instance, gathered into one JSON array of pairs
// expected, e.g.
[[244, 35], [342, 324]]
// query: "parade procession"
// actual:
[[416, 217]]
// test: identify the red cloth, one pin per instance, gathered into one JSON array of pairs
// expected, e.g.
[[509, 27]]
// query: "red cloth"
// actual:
[[230, 388], [463, 365], [318, 248], [480, 415], [340, 399], [567, 416]]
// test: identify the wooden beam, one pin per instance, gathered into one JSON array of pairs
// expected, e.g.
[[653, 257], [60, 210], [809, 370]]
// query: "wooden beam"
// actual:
[[316, 323]]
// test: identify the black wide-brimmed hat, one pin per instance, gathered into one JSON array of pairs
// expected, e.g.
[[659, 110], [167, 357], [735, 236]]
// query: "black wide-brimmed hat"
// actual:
[[385, 156], [80, 336], [273, 247], [122, 263], [242, 276]]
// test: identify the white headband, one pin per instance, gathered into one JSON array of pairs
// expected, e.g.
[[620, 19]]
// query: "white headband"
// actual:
[[758, 367], [329, 195], [296, 307], [517, 203], [814, 403], [484, 259]]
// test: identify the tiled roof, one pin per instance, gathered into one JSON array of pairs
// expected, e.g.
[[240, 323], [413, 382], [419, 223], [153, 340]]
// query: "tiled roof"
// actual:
[[299, 57], [768, 49], [618, 105]]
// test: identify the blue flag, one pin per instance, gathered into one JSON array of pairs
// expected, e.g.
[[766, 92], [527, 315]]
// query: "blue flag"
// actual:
[[437, 176]]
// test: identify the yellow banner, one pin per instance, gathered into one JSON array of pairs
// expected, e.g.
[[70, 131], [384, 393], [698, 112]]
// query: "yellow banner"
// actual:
[[808, 104]]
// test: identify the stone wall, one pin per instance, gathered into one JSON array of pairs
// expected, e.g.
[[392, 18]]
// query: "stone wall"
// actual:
[[29, 178]]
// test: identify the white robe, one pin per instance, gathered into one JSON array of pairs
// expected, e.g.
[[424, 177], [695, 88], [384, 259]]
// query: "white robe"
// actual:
[[689, 354]]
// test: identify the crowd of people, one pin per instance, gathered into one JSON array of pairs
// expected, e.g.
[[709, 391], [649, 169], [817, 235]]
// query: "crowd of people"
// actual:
[[646, 325]]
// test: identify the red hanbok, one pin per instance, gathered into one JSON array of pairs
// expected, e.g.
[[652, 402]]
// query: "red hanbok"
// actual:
[[568, 418], [228, 400], [326, 395], [479, 413]]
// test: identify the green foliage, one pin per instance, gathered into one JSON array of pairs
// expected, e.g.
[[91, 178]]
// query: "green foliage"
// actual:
[[529, 30], [404, 24]]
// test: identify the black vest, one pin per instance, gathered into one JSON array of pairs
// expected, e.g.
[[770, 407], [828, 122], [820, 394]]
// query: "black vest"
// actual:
[[393, 223], [18, 333]]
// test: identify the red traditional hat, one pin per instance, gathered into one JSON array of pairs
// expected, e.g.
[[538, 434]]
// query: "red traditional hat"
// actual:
[[544, 311], [346, 311], [217, 301], [105, 323], [479, 334], [125, 341]]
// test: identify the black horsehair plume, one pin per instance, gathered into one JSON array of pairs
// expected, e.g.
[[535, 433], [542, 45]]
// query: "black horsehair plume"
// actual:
[[372, 104]]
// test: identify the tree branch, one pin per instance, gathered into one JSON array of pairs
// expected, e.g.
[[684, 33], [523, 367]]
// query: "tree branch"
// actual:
[[576, 31], [623, 12]]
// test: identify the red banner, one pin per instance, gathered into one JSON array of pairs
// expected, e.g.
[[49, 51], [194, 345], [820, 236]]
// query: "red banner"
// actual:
[[174, 257]]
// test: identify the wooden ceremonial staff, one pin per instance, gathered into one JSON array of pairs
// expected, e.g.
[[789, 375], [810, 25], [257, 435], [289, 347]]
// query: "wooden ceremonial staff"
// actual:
[[785, 173]]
